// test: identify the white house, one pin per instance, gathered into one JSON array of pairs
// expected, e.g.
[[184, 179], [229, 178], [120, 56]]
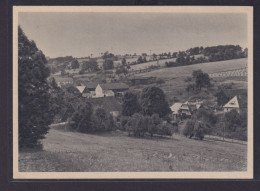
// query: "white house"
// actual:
[[110, 89], [233, 104], [175, 110], [102, 92]]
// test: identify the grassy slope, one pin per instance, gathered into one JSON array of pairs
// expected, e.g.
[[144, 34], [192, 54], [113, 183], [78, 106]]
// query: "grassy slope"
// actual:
[[69, 151], [174, 85]]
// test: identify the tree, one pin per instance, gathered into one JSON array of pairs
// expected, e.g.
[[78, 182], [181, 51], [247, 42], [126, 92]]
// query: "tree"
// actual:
[[81, 119], [199, 130], [121, 69], [130, 104], [154, 122], [232, 120], [124, 62], [34, 98], [140, 59], [90, 66], [100, 120], [201, 79], [73, 90], [74, 64], [107, 55], [108, 64], [188, 128], [57, 100], [221, 98], [153, 101]]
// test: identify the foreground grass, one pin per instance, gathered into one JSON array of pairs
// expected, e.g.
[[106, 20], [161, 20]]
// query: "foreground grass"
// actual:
[[71, 151]]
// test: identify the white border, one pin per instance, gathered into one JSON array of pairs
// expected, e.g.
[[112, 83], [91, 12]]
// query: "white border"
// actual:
[[134, 175]]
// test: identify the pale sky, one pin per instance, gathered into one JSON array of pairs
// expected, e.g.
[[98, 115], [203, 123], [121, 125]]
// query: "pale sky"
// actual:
[[82, 34]]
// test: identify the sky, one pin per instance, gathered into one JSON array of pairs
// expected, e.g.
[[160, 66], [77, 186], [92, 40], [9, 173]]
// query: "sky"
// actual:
[[83, 34]]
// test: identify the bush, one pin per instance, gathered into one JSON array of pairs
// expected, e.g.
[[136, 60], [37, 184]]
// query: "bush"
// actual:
[[159, 81], [188, 128], [199, 130], [81, 119], [139, 125], [164, 129]]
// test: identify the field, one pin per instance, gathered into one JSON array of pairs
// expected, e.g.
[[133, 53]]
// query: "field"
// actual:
[[174, 85], [209, 67], [155, 63], [70, 151]]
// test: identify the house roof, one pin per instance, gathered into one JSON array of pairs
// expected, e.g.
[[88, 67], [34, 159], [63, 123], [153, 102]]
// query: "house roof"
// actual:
[[237, 102], [175, 107], [114, 86], [233, 103], [185, 107], [91, 85], [81, 88]]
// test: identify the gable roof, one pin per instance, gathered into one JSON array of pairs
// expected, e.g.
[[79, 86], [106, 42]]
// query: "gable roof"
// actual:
[[175, 108], [239, 101], [81, 88], [114, 86], [233, 103], [91, 85]]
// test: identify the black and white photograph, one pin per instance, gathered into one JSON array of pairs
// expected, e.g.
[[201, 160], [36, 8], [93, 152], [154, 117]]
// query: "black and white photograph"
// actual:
[[132, 92]]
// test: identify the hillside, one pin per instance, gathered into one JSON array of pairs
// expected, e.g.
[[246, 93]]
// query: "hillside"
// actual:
[[115, 152], [174, 77]]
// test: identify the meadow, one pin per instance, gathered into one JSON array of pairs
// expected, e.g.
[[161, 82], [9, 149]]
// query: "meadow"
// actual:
[[174, 77], [65, 151]]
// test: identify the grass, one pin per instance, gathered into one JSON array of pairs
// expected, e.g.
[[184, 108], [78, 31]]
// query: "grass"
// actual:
[[174, 85], [209, 67], [72, 151]]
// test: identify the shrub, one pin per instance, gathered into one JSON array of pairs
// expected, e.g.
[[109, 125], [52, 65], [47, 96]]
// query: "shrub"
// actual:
[[81, 119], [154, 122], [188, 128], [199, 130], [102, 121], [164, 129], [159, 81]]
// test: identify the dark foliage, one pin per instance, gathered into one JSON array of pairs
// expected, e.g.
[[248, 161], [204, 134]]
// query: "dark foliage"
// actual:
[[153, 102], [108, 64], [130, 104], [35, 111], [222, 99], [81, 119]]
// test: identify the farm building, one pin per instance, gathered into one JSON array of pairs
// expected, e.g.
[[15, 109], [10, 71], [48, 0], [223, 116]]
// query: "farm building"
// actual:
[[238, 103], [110, 89], [184, 110], [175, 110], [89, 90]]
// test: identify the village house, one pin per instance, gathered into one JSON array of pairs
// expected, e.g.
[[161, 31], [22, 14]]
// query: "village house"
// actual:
[[238, 103], [237, 100], [184, 110], [110, 89]]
